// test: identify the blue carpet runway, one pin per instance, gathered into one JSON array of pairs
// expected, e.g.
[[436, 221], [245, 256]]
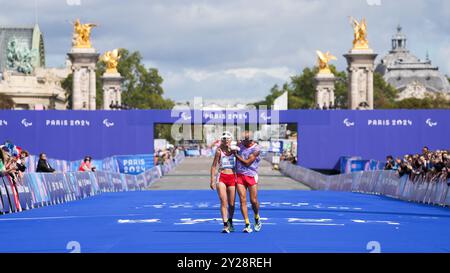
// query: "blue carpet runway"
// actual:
[[189, 221]]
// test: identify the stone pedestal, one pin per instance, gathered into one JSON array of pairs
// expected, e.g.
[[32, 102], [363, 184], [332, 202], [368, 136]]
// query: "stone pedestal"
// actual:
[[111, 90], [84, 62], [325, 90], [360, 76]]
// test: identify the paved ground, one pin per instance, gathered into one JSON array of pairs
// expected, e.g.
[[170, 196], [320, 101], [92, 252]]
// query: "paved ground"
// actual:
[[188, 221], [194, 174]]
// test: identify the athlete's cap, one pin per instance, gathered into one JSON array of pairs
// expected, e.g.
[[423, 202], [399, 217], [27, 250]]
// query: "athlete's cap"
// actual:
[[226, 135]]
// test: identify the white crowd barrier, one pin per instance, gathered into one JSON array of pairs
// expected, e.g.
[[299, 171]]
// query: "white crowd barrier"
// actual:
[[387, 183], [43, 189]]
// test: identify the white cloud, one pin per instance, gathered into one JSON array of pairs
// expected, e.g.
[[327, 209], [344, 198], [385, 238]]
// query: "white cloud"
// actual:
[[235, 48], [282, 73]]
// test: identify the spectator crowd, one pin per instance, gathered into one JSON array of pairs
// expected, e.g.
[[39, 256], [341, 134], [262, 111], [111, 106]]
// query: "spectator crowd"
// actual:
[[429, 165], [12, 161], [167, 155]]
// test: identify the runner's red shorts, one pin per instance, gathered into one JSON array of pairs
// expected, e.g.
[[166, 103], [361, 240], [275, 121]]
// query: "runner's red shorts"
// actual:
[[228, 179], [247, 181]]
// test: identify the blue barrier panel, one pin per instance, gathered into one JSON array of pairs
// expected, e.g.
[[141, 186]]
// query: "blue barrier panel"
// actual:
[[356, 179], [68, 191], [134, 164], [123, 180], [376, 176], [24, 194], [68, 188], [140, 181], [110, 165], [1, 201], [358, 165], [10, 194], [38, 189], [420, 190], [116, 179], [84, 184], [131, 182], [53, 186], [345, 163], [46, 180], [334, 183], [373, 182], [390, 185], [402, 185], [148, 175], [378, 185], [447, 198], [72, 180], [62, 194], [441, 192], [347, 183], [5, 198], [408, 192], [103, 181], [95, 188], [431, 191]]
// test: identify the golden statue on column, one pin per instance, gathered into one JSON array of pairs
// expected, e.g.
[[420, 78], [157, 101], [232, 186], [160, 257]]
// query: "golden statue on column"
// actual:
[[323, 62], [111, 59], [360, 32], [82, 34]]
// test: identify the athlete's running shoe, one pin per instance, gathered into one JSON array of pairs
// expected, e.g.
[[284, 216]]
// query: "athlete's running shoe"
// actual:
[[247, 229], [226, 229], [258, 225], [230, 226]]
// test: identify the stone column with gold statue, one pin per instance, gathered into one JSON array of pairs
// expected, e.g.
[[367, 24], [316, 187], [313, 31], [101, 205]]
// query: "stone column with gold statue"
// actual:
[[324, 81], [84, 59], [112, 80], [361, 66]]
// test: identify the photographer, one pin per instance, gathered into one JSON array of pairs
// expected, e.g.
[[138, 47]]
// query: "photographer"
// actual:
[[405, 167], [390, 163]]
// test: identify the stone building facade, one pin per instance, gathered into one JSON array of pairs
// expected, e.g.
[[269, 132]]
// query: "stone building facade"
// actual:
[[411, 76]]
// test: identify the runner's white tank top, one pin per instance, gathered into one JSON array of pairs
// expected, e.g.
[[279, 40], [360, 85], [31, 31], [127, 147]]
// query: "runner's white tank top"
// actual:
[[227, 161]]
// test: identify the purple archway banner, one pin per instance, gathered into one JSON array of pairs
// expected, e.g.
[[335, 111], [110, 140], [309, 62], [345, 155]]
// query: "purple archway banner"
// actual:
[[323, 137]]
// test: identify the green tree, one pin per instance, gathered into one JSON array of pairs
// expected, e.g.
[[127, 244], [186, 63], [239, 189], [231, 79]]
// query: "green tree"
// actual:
[[141, 87], [6, 102], [301, 90], [437, 101], [384, 94]]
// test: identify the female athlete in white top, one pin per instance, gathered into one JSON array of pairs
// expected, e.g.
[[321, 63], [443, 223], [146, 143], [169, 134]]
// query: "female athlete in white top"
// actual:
[[225, 181]]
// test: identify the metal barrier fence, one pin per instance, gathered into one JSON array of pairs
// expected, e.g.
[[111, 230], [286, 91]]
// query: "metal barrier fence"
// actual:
[[44, 189], [417, 189]]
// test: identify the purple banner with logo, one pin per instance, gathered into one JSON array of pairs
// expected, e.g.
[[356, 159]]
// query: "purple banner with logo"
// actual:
[[324, 136]]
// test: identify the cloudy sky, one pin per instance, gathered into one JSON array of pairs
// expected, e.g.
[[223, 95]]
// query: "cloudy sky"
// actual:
[[234, 49]]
